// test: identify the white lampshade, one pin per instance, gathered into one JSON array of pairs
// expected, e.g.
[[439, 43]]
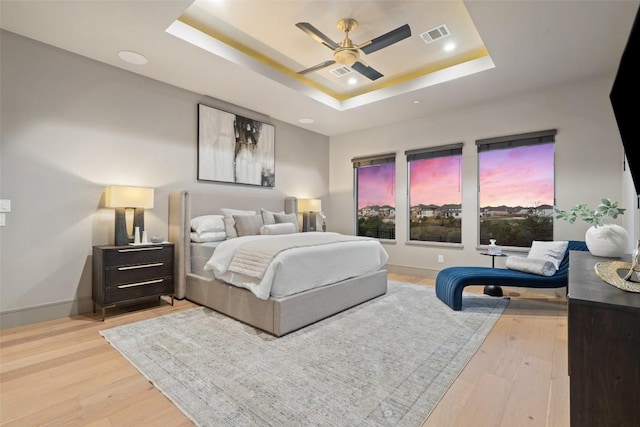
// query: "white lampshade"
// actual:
[[128, 197], [309, 205]]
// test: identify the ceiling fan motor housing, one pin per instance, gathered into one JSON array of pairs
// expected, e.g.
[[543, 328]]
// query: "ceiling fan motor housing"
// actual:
[[346, 56]]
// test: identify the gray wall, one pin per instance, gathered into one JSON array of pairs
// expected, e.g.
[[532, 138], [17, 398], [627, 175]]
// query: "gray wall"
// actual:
[[71, 126], [588, 165]]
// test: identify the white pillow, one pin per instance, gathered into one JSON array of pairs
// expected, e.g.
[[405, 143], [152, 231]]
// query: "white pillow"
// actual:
[[204, 223], [208, 236], [549, 251], [542, 267], [282, 228], [267, 216], [229, 223]]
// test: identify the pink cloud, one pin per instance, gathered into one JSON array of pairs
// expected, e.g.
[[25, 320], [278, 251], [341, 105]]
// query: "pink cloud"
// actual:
[[519, 176]]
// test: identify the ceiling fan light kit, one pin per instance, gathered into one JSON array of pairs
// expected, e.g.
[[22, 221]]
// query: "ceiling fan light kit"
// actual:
[[346, 53], [346, 56]]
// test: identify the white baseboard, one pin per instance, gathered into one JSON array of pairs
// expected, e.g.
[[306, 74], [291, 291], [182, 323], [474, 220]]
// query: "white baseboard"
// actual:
[[44, 312], [412, 271]]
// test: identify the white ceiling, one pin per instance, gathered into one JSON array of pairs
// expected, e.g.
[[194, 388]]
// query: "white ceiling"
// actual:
[[408, 63], [531, 45]]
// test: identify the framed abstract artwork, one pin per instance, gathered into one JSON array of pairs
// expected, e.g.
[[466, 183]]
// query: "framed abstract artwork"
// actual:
[[235, 149]]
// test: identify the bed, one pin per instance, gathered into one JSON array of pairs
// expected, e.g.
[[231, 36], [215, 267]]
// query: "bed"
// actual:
[[281, 311]]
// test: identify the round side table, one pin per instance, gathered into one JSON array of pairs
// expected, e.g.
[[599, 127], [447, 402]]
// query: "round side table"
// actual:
[[493, 290]]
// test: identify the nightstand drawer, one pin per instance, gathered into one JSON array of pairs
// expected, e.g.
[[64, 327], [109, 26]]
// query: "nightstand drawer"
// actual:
[[137, 272], [142, 289], [137, 255]]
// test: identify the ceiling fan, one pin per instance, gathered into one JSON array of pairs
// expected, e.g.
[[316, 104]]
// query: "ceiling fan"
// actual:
[[346, 53]]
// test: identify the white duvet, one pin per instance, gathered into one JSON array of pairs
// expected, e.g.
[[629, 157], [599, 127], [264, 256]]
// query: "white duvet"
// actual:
[[300, 268]]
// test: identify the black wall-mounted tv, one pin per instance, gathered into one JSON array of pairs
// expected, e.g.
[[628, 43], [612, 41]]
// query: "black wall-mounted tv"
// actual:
[[625, 98]]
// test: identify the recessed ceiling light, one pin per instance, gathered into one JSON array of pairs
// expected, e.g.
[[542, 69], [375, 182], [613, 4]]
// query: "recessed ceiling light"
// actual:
[[306, 120], [416, 102], [353, 81], [449, 46], [132, 57]]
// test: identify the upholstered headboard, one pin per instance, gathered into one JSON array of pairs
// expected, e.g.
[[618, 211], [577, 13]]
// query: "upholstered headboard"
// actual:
[[184, 205]]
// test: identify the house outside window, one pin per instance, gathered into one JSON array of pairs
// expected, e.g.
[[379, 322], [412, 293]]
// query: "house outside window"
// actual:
[[435, 194], [375, 195], [516, 194]]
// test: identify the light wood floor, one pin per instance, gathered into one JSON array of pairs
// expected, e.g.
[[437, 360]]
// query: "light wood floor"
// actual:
[[63, 372]]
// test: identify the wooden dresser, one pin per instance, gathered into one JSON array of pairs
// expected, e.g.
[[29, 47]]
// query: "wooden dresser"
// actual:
[[604, 348], [126, 274]]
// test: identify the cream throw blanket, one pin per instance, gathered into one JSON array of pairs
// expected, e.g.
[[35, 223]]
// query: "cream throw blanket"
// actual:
[[252, 258]]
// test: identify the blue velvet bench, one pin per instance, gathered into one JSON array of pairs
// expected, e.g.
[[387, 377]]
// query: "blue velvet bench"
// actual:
[[451, 281]]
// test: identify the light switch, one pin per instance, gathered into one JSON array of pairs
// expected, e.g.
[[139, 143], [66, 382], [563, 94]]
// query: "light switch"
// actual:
[[1, 220], [5, 205]]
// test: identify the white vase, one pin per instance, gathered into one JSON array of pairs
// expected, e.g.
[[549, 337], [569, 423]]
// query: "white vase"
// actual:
[[609, 240]]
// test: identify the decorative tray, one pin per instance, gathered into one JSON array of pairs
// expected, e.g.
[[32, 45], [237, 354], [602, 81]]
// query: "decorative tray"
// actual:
[[613, 272]]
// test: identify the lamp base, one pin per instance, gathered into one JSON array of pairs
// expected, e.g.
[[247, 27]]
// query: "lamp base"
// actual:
[[308, 221], [121, 235]]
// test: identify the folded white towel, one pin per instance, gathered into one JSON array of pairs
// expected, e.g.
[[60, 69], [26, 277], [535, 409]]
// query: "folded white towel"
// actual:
[[531, 265]]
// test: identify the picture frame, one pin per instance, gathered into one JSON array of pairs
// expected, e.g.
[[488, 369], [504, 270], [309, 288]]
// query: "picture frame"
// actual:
[[235, 149]]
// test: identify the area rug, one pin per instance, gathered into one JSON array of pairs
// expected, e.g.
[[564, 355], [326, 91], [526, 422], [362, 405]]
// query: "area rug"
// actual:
[[386, 362]]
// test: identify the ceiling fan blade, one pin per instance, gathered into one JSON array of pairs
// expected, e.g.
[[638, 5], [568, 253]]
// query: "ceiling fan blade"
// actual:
[[385, 40], [317, 67], [317, 35], [366, 70]]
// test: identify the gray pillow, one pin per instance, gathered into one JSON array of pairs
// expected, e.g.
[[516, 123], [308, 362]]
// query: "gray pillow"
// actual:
[[229, 224], [267, 216], [282, 218], [247, 225]]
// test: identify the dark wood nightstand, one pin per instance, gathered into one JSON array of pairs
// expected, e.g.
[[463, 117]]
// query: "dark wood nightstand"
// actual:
[[127, 274]]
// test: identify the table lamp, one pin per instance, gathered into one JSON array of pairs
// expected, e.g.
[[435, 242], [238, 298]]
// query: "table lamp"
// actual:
[[132, 200], [309, 208]]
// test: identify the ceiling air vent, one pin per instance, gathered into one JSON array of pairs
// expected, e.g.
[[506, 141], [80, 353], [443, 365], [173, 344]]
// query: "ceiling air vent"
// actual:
[[341, 71], [435, 33]]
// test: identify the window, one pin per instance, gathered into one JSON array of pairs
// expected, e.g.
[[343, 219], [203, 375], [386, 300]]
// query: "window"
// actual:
[[435, 194], [375, 194], [516, 177]]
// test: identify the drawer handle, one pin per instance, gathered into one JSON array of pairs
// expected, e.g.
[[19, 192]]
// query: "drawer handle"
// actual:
[[135, 267], [149, 282], [151, 248]]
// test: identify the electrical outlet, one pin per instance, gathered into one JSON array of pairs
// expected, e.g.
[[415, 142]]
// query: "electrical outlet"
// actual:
[[440, 258], [2, 220]]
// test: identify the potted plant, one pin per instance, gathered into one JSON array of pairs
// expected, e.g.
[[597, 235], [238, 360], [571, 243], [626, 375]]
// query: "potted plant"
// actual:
[[602, 238]]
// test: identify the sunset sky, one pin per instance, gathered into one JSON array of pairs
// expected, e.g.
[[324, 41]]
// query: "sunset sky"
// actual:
[[377, 185], [501, 170], [436, 181]]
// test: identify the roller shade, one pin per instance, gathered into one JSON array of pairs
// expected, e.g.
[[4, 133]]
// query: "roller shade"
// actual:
[[520, 140], [433, 152], [379, 159]]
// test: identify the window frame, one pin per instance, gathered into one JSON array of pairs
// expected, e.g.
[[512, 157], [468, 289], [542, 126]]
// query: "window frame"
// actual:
[[432, 153], [510, 142], [367, 161]]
